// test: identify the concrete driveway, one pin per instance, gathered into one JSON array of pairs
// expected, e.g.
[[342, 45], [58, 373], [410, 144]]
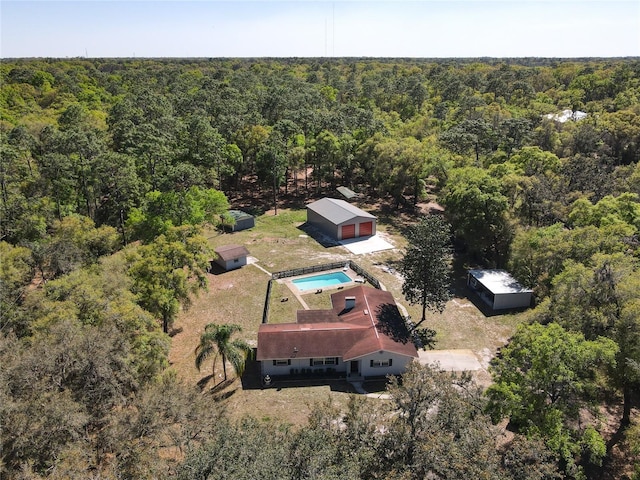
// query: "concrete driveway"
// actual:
[[358, 246], [451, 360]]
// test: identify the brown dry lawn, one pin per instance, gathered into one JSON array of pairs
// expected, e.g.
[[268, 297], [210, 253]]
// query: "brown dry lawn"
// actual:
[[278, 243]]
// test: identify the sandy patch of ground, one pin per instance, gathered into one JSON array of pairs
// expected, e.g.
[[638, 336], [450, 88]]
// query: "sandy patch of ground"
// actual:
[[451, 360]]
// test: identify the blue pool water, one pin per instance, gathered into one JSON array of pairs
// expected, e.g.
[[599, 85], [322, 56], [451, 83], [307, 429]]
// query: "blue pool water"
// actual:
[[321, 281]]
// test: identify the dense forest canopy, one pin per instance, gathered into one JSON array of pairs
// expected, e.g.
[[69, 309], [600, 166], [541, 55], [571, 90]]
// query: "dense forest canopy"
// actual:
[[110, 168]]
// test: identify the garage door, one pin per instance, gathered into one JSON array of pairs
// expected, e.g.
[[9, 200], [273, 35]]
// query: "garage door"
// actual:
[[348, 231], [366, 229]]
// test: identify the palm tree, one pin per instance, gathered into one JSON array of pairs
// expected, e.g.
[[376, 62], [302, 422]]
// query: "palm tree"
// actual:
[[216, 340]]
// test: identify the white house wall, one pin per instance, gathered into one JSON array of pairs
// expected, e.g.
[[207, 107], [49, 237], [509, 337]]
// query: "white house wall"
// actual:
[[298, 366], [511, 300], [241, 262], [302, 366], [398, 364], [232, 264]]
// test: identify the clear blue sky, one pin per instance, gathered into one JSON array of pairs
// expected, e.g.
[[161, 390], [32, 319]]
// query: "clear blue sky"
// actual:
[[267, 28]]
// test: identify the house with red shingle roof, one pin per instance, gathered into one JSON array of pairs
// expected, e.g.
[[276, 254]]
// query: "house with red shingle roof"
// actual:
[[362, 335]]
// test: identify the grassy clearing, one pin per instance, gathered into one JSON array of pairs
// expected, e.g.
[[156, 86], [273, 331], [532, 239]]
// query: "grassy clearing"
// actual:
[[233, 297], [319, 301], [282, 405], [278, 243], [279, 311]]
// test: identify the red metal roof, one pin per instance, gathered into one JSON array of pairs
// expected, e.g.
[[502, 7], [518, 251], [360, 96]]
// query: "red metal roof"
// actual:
[[374, 324]]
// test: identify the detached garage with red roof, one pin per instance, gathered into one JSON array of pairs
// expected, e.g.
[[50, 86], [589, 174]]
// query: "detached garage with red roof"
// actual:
[[340, 220]]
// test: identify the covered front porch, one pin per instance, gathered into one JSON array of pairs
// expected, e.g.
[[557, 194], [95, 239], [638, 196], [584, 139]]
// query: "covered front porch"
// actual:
[[331, 367]]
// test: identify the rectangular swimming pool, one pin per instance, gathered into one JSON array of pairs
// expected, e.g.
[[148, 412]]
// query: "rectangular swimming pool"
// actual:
[[321, 281]]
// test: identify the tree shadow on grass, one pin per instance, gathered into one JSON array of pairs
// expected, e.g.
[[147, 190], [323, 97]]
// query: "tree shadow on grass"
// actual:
[[218, 397], [335, 384], [221, 385], [173, 331], [391, 323], [218, 391], [203, 381], [376, 385]]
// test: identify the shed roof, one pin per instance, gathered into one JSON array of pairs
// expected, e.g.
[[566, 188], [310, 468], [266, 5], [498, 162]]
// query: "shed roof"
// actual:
[[337, 211], [229, 252], [239, 215], [347, 192], [373, 325], [499, 281]]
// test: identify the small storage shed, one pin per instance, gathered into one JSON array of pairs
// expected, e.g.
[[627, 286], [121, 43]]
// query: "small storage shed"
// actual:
[[340, 220], [242, 220], [347, 193], [499, 289], [231, 257]]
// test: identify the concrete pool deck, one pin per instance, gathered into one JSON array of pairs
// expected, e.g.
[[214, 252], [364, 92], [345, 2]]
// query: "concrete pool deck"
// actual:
[[300, 294]]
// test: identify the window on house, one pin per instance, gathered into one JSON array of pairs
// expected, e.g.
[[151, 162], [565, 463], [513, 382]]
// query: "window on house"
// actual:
[[236, 260], [381, 363], [281, 363], [317, 362]]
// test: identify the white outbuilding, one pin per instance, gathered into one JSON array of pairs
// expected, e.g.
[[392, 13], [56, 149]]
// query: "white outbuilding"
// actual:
[[498, 289], [231, 257]]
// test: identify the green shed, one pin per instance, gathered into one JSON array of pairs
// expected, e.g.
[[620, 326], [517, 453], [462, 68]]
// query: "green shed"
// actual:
[[242, 220]]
